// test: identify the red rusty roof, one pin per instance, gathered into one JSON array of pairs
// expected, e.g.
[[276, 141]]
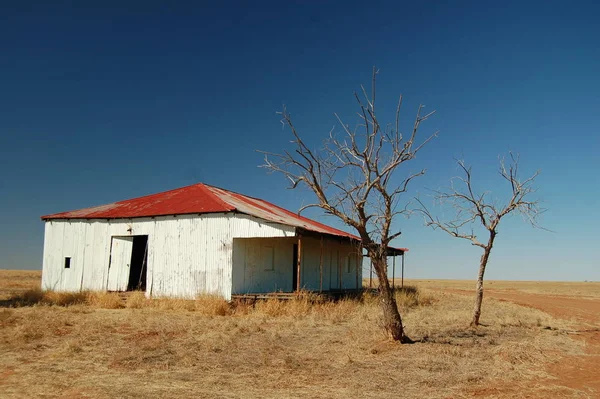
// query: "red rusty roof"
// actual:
[[197, 199]]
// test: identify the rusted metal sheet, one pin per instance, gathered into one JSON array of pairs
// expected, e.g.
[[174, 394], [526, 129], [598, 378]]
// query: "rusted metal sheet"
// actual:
[[199, 199], [268, 211]]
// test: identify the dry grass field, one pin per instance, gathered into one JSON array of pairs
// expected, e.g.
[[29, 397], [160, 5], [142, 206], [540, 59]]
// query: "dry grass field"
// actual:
[[570, 289], [96, 345]]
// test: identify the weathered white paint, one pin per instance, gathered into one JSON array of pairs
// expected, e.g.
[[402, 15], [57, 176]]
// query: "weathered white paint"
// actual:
[[254, 270], [118, 268], [187, 254], [262, 264], [340, 259]]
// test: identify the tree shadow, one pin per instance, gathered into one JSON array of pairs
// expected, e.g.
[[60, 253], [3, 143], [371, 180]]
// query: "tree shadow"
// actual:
[[467, 337]]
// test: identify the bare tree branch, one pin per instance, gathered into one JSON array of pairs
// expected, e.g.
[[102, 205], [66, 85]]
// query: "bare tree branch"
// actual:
[[351, 176], [471, 208], [452, 227]]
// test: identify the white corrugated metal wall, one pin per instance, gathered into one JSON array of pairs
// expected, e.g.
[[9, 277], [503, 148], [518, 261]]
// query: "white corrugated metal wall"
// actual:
[[340, 260], [187, 255], [257, 269], [262, 264]]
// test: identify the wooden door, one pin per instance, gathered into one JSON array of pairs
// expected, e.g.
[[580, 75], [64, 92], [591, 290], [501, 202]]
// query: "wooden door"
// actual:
[[120, 260]]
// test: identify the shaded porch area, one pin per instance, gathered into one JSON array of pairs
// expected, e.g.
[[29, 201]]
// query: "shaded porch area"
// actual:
[[282, 266], [392, 253]]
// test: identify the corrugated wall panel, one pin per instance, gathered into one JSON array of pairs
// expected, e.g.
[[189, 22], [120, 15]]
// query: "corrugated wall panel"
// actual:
[[187, 255], [98, 276], [151, 229], [88, 256], [45, 265], [51, 241], [56, 248], [244, 226], [170, 262], [215, 242], [218, 252], [190, 280], [239, 267], [262, 265], [62, 252], [251, 273], [184, 278], [309, 273], [199, 239], [198, 242], [79, 253]]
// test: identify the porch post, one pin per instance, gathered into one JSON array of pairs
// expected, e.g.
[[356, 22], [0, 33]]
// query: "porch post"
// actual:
[[321, 267], [403, 253], [370, 273], [340, 271], [299, 261], [394, 271], [356, 264]]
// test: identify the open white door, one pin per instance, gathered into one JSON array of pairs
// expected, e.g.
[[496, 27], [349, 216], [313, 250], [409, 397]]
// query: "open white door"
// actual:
[[120, 258]]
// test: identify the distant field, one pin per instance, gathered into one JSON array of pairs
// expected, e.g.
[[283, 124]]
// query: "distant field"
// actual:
[[95, 345], [18, 281], [574, 289]]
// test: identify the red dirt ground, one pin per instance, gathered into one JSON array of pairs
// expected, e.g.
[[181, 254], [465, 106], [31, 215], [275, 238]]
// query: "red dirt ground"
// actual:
[[577, 372]]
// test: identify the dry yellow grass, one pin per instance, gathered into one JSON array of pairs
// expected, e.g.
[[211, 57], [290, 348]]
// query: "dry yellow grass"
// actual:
[[103, 300], [300, 348]]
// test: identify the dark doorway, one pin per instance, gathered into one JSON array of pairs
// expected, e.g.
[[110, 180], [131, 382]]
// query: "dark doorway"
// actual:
[[139, 264], [295, 268]]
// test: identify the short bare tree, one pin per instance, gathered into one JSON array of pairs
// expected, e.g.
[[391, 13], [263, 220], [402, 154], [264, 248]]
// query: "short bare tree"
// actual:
[[351, 178], [473, 208]]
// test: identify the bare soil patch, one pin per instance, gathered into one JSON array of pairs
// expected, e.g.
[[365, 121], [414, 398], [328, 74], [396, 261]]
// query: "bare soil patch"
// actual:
[[580, 372]]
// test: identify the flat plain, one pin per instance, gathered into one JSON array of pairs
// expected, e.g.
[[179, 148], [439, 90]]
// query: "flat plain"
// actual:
[[537, 340]]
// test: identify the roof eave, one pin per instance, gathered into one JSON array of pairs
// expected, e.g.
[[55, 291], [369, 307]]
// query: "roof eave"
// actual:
[[53, 217]]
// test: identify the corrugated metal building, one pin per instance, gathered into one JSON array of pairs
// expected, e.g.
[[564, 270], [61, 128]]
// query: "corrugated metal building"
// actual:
[[194, 240]]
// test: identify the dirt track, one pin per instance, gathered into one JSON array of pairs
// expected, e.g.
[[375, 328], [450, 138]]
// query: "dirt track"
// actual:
[[578, 372]]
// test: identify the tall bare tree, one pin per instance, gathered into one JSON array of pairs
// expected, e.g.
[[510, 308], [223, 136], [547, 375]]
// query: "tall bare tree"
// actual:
[[351, 178], [473, 208]]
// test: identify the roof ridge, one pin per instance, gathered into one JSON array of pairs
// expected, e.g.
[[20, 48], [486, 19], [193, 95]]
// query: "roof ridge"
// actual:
[[296, 214], [209, 188], [160, 192], [304, 217], [233, 192], [200, 198], [50, 215]]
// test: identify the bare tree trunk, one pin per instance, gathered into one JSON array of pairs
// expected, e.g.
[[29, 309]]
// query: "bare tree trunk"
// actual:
[[479, 286], [351, 179], [392, 321], [475, 208]]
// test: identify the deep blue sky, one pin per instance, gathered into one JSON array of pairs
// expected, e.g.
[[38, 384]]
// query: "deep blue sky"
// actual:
[[121, 99]]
